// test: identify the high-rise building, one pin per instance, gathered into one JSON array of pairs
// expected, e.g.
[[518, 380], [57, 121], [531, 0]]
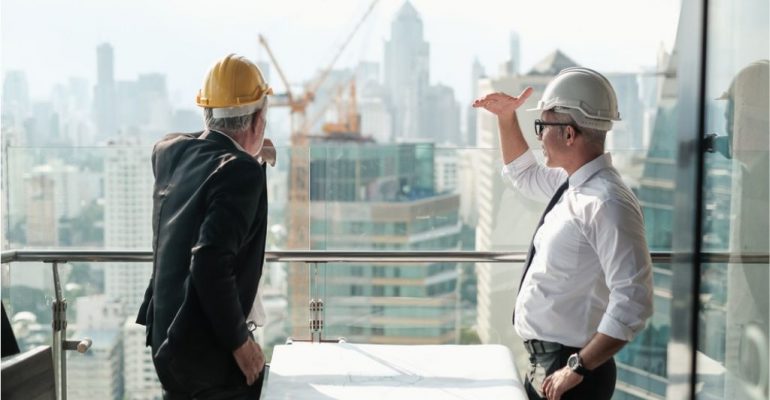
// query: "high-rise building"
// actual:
[[72, 187], [407, 74], [440, 116], [376, 120], [642, 364], [15, 96], [514, 62], [477, 72], [70, 102], [98, 312], [185, 120], [365, 195], [14, 157], [143, 108], [626, 137], [372, 103], [98, 373], [141, 380], [42, 127], [42, 223], [105, 113], [447, 161], [420, 111], [128, 183]]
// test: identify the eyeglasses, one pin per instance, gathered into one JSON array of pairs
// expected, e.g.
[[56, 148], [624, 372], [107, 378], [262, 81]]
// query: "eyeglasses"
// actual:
[[540, 126]]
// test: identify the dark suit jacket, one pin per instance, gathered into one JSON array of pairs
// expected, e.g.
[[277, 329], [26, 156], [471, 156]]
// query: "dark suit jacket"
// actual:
[[209, 224]]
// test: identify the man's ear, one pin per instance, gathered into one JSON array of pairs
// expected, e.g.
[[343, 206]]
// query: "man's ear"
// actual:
[[256, 118], [570, 134]]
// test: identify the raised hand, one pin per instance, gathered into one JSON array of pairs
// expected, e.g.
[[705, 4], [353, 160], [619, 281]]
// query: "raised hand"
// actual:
[[502, 104], [267, 154]]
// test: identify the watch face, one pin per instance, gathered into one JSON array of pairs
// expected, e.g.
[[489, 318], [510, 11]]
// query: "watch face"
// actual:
[[572, 361]]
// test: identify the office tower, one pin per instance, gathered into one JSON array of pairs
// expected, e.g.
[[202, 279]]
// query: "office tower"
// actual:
[[143, 109], [514, 62], [447, 161], [42, 224], [407, 74], [365, 195], [477, 72], [141, 380], [376, 120], [626, 137], [105, 114], [98, 373], [128, 184], [15, 95], [440, 116]]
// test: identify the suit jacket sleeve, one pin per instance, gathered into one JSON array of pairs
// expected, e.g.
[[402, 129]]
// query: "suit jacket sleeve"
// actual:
[[231, 207], [142, 317]]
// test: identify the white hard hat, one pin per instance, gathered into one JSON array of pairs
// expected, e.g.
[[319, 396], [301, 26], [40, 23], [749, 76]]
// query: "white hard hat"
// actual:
[[584, 94]]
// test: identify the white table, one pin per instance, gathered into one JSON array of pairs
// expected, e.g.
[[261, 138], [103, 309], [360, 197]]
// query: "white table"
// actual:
[[348, 371]]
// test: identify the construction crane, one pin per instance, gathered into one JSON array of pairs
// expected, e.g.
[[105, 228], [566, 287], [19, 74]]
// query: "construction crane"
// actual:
[[348, 119], [299, 172]]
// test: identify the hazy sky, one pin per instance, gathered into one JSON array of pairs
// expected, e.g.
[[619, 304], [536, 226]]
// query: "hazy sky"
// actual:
[[52, 39]]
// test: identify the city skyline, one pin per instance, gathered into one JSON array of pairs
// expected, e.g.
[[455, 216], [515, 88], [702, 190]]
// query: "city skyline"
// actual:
[[485, 35]]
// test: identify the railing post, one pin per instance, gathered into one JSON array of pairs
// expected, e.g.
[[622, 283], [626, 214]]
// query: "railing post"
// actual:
[[59, 325], [316, 322]]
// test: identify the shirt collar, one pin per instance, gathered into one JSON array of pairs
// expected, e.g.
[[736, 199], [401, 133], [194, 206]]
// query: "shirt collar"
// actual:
[[589, 169], [237, 146]]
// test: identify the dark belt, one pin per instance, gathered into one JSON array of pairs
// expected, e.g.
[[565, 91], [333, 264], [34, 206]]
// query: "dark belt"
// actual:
[[535, 346]]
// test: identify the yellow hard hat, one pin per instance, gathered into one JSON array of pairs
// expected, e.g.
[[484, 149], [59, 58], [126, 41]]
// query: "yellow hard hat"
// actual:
[[233, 87]]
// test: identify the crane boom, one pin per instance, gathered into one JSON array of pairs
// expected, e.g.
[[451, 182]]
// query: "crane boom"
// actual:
[[298, 216], [285, 81], [328, 69]]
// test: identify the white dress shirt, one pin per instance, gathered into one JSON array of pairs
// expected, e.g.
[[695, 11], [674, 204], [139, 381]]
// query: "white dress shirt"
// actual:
[[592, 270]]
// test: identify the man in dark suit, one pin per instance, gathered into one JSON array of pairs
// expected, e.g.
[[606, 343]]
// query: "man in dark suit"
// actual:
[[209, 226]]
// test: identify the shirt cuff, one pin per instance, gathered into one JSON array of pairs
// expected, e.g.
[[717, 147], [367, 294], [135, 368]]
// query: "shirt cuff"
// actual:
[[616, 329], [524, 161]]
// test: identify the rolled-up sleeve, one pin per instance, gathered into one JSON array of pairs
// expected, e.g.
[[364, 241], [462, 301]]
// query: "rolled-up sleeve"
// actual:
[[617, 231], [532, 179]]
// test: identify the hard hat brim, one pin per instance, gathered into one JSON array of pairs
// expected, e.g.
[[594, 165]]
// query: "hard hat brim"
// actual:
[[238, 111]]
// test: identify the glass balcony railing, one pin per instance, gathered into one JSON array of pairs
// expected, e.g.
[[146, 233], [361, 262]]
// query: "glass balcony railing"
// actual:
[[374, 297]]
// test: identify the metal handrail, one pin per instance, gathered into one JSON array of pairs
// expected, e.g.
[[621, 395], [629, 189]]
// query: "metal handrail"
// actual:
[[55, 257], [344, 256]]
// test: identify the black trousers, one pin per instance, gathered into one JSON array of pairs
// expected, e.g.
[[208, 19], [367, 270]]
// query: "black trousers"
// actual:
[[598, 385], [221, 393]]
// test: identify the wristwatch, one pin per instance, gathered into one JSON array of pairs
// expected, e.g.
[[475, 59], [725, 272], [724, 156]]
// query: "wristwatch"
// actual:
[[575, 363]]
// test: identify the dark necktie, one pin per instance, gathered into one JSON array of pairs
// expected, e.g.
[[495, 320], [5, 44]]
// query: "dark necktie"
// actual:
[[531, 252]]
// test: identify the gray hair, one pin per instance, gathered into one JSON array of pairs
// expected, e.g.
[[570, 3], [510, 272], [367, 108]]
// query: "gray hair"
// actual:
[[229, 125], [593, 136]]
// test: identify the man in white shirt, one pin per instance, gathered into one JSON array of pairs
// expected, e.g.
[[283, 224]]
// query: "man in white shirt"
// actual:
[[586, 289]]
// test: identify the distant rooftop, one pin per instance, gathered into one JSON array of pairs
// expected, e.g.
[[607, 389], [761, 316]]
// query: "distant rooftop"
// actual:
[[407, 11], [552, 64]]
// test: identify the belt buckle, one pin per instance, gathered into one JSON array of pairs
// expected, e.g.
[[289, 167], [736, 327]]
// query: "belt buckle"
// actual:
[[530, 346]]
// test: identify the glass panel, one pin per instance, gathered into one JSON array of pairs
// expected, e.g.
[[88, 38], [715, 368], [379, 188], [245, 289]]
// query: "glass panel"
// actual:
[[733, 344], [27, 297]]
